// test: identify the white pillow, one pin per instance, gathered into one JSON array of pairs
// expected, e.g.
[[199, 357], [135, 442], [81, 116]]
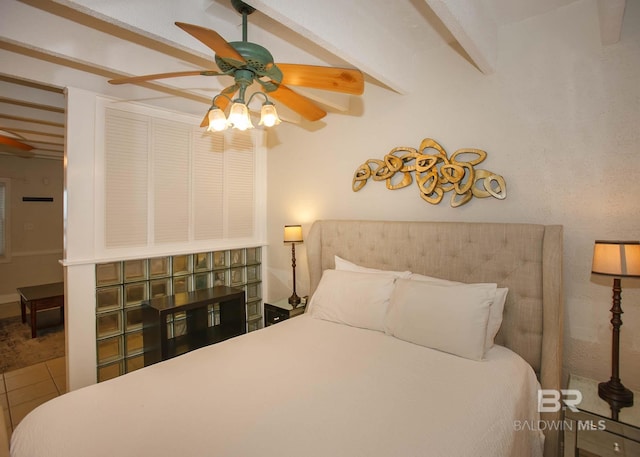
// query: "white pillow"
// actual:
[[495, 311], [345, 265], [353, 298], [450, 318]]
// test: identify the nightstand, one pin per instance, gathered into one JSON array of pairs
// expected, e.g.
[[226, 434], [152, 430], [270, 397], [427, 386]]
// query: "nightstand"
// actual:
[[590, 431], [281, 310]]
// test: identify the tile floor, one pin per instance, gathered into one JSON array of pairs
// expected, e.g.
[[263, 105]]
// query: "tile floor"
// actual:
[[24, 389]]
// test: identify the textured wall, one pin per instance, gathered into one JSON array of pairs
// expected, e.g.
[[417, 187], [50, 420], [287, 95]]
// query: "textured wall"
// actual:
[[559, 120], [36, 227]]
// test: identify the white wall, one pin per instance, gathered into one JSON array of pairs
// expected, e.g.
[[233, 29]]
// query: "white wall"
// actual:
[[559, 120], [35, 227]]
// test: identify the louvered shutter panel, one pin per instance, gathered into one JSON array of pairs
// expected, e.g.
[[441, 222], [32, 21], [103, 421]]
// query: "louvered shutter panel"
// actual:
[[171, 181], [208, 185], [168, 182], [240, 185], [126, 178]]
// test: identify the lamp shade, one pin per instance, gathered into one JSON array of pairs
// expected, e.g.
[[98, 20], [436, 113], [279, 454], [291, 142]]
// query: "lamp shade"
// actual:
[[293, 234], [616, 258]]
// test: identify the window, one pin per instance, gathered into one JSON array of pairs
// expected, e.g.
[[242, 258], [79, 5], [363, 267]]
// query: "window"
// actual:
[[4, 220]]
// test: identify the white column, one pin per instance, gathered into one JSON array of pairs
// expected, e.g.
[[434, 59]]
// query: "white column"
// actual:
[[79, 203]]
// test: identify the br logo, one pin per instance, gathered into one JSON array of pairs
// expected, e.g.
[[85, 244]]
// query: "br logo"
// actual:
[[551, 400]]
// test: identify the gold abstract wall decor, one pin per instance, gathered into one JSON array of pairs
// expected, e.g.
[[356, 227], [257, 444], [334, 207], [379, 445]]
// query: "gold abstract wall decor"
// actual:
[[435, 173]]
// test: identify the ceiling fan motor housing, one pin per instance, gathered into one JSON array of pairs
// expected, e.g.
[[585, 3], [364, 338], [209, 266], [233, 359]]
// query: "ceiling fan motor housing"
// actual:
[[241, 7], [258, 60]]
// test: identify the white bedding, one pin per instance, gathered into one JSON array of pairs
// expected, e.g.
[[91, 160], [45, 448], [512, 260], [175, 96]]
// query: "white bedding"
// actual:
[[305, 387]]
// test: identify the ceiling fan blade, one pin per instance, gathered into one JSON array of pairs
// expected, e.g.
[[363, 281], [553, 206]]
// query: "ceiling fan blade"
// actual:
[[221, 102], [205, 120], [175, 74], [298, 103], [345, 80], [8, 144], [214, 41]]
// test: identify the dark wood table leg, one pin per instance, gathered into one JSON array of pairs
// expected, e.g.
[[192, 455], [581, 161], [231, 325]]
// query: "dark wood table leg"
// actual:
[[23, 309], [33, 306]]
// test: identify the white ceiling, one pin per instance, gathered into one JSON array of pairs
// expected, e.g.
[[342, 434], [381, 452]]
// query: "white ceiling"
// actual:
[[46, 45]]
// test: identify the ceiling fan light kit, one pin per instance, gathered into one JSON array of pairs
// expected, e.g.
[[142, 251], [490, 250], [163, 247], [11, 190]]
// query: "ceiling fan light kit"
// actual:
[[250, 63], [239, 117]]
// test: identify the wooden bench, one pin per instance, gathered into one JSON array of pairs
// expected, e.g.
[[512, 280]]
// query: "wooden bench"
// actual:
[[38, 298]]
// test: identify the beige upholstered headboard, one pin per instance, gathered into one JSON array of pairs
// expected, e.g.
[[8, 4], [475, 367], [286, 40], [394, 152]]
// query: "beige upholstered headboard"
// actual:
[[526, 258]]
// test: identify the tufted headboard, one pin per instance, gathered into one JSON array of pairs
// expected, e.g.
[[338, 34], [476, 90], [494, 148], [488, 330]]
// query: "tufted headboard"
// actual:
[[526, 258]]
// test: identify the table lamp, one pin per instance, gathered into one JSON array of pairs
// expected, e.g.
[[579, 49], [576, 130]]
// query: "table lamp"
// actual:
[[293, 235], [620, 259]]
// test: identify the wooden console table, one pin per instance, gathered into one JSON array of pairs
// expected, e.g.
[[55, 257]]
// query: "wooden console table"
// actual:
[[200, 331], [38, 298]]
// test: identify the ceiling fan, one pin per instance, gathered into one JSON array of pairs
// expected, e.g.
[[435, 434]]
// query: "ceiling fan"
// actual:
[[250, 63], [12, 143]]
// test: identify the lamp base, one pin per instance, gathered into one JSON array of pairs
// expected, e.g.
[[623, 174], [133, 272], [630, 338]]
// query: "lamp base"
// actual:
[[294, 300], [617, 395]]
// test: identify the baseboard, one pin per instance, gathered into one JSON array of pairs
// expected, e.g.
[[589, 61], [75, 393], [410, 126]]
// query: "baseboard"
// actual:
[[9, 298], [11, 309]]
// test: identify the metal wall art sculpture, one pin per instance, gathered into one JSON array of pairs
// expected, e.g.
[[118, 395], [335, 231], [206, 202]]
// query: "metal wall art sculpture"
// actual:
[[435, 173]]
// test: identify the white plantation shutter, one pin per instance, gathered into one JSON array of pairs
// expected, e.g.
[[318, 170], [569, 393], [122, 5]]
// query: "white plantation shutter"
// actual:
[[240, 186], [171, 186], [208, 185], [169, 182], [126, 178]]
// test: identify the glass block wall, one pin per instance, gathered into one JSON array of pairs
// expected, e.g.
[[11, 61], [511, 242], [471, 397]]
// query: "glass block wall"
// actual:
[[122, 286]]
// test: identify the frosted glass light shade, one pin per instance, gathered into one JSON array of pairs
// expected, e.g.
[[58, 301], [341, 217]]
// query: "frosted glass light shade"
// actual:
[[269, 115], [239, 116], [217, 120]]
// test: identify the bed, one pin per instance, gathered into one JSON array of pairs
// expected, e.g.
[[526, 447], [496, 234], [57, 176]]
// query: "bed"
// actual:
[[324, 384]]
